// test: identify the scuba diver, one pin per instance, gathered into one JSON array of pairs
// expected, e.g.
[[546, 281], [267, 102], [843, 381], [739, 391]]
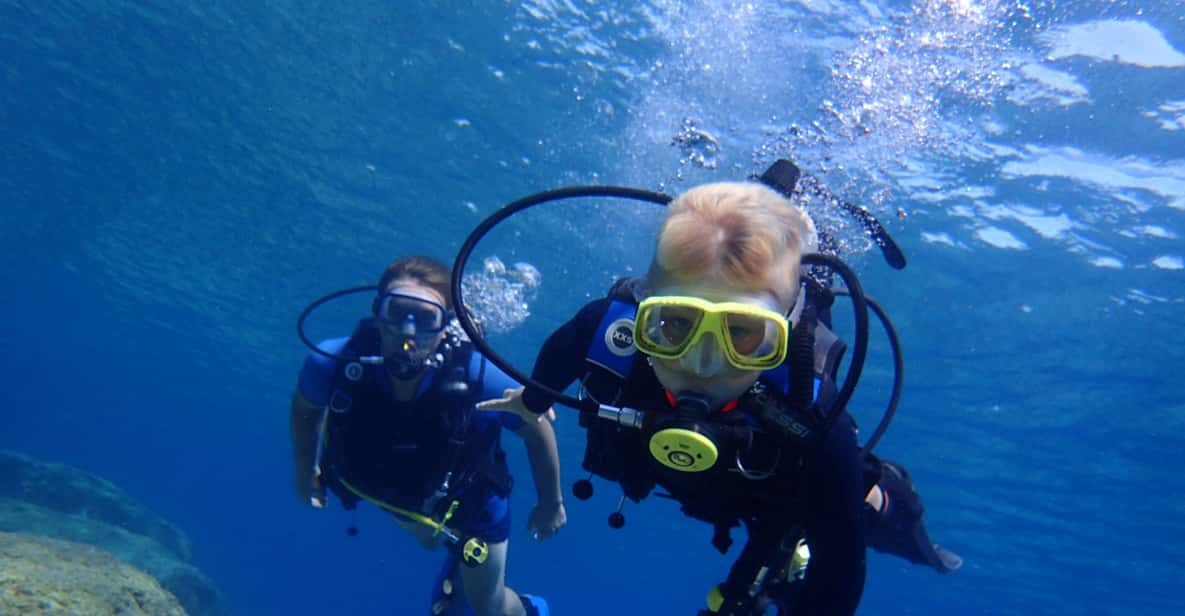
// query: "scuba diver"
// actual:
[[387, 416], [714, 379]]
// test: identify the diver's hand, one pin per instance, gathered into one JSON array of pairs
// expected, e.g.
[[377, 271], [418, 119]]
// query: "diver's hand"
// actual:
[[309, 489], [545, 520], [512, 402]]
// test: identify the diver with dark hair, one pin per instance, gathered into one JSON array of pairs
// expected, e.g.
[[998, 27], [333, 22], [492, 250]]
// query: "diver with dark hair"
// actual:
[[713, 380], [387, 416]]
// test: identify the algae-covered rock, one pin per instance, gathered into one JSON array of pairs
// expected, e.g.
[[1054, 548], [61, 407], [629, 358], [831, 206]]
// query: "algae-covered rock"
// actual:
[[65, 503], [39, 575], [192, 588], [69, 490]]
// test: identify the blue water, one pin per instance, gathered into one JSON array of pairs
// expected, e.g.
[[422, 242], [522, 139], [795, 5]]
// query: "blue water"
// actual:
[[179, 179]]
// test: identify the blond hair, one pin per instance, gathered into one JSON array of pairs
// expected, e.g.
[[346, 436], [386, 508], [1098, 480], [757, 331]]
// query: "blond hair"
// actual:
[[735, 231]]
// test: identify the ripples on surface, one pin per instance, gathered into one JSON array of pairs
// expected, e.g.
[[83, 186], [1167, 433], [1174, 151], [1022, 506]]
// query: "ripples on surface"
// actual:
[[943, 109]]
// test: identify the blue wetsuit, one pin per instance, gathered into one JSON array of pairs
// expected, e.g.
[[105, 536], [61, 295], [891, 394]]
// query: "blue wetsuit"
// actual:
[[483, 512], [834, 524]]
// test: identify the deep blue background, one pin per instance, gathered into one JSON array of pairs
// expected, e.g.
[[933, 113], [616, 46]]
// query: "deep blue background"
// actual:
[[177, 181]]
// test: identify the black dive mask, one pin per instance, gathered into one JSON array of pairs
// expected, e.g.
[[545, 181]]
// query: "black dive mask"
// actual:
[[414, 322], [411, 317]]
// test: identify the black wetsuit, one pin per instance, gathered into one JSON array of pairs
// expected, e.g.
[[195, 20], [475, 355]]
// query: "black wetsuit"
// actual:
[[833, 509]]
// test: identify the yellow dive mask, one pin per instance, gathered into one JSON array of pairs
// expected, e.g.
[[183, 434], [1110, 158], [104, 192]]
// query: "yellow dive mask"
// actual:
[[752, 337]]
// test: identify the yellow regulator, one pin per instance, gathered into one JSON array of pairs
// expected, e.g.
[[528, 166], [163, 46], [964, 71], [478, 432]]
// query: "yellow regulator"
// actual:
[[683, 450]]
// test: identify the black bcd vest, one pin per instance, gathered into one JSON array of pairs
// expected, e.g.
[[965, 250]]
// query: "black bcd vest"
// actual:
[[400, 452], [770, 434]]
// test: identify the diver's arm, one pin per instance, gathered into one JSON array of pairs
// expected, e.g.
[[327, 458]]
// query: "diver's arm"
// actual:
[[313, 387], [544, 457], [304, 430], [548, 515], [835, 526], [539, 438], [561, 360], [893, 519]]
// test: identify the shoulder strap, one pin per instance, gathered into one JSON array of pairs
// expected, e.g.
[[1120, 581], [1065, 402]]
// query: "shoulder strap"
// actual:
[[349, 375], [466, 365], [612, 346]]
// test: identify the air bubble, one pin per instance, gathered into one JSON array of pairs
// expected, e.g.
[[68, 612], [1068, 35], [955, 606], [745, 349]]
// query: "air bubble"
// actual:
[[499, 298], [696, 145]]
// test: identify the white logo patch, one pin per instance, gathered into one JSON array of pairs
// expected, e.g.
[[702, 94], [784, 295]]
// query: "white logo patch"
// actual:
[[619, 337]]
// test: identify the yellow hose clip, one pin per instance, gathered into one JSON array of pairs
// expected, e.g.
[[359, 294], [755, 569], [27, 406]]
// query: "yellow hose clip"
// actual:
[[799, 561], [715, 599], [447, 515], [474, 551]]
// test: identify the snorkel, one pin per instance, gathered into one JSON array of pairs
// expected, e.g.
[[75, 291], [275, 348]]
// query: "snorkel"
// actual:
[[691, 437], [783, 176]]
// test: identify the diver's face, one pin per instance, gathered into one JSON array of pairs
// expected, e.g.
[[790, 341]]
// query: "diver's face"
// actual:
[[406, 331], [704, 370]]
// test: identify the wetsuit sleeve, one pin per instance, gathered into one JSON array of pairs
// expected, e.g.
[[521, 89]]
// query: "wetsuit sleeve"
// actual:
[[494, 383], [316, 375], [561, 360], [835, 526]]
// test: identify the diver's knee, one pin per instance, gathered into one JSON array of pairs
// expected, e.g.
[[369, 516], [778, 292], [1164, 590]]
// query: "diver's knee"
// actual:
[[485, 585]]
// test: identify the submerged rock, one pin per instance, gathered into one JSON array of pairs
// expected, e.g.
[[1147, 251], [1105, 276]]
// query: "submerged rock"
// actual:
[[69, 490], [65, 503], [39, 575]]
